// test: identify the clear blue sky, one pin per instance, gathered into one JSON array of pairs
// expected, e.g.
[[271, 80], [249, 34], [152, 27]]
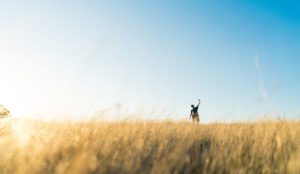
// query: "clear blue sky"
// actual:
[[241, 58]]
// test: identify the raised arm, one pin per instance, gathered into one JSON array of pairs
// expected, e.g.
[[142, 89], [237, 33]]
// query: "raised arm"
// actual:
[[199, 102]]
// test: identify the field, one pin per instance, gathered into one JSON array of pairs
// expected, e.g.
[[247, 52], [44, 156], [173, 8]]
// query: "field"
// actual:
[[148, 147]]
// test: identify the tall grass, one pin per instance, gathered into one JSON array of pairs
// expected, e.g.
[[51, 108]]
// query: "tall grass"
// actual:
[[148, 147]]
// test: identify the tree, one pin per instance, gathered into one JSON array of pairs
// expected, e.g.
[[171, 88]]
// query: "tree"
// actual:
[[3, 112]]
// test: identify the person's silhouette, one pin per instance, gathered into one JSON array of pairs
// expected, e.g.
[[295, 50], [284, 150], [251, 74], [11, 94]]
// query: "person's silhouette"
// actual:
[[194, 112]]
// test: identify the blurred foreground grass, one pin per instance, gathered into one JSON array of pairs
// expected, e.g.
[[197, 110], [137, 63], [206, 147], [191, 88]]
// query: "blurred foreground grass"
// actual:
[[148, 147]]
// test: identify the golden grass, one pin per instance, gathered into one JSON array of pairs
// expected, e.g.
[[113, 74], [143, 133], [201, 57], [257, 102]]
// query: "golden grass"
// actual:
[[148, 147]]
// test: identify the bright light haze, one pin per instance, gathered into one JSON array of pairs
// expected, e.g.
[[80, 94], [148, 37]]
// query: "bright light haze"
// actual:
[[241, 58]]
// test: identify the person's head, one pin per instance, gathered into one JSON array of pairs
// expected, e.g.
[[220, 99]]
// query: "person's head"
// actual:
[[192, 106]]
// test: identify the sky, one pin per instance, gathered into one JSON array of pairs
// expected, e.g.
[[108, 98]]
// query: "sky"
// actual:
[[151, 59]]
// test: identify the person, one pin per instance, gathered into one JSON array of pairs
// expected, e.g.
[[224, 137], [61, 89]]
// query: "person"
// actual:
[[194, 112]]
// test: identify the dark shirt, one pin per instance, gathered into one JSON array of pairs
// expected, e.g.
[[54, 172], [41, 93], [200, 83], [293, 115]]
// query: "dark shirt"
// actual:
[[194, 110]]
